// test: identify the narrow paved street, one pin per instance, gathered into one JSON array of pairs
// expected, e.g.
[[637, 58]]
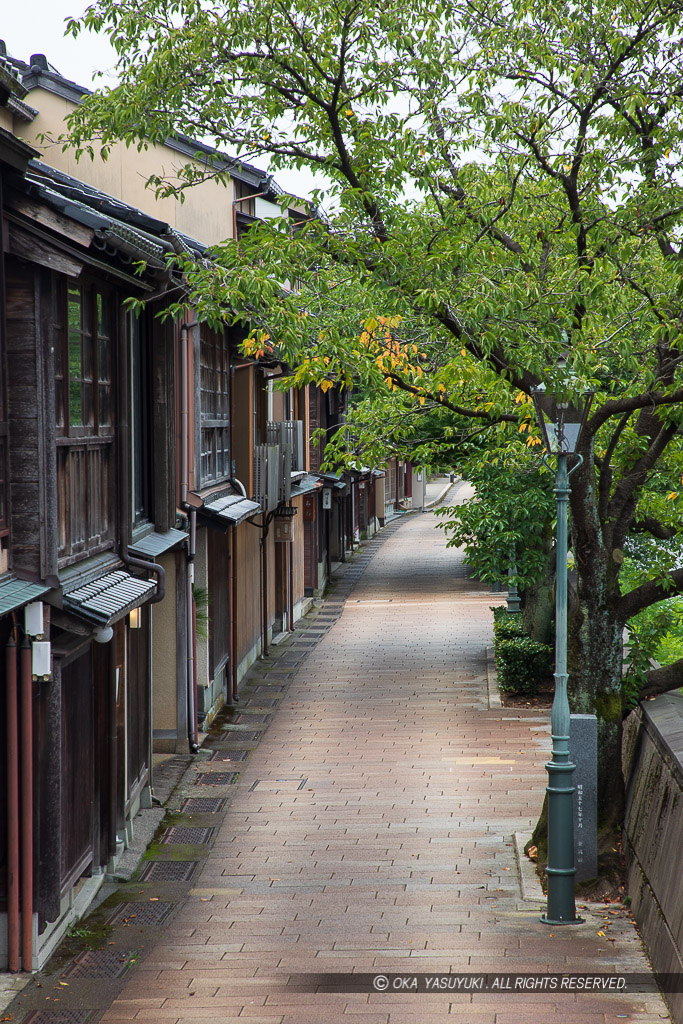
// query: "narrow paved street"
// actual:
[[372, 828]]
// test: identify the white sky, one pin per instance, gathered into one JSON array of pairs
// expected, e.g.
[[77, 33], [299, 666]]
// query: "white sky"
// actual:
[[37, 26]]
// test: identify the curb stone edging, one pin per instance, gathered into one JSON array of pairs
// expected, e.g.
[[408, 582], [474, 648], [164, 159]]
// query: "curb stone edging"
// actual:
[[492, 680]]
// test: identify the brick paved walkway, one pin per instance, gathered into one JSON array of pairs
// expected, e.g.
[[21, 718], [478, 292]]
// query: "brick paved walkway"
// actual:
[[372, 830]]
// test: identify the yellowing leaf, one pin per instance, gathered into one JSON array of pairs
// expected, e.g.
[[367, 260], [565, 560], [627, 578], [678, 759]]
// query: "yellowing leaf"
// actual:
[[672, 496]]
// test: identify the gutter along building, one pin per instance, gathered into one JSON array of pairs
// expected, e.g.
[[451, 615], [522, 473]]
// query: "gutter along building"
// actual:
[[150, 476]]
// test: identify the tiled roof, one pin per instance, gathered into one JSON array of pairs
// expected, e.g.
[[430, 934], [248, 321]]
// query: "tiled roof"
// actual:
[[15, 593], [109, 597], [233, 508], [154, 544]]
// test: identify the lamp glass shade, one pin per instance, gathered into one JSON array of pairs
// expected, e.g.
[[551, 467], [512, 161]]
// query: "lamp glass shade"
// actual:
[[561, 421], [134, 620]]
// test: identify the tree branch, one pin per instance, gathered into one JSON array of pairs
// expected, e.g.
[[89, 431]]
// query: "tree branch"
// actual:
[[649, 593], [663, 679]]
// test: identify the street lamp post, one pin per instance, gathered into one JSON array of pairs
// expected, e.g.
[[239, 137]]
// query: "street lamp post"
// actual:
[[561, 423]]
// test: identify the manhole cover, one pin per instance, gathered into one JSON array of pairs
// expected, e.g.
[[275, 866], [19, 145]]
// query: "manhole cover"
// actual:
[[102, 963], [58, 1017], [243, 719], [202, 805], [177, 834], [216, 778], [229, 755], [169, 871], [140, 913], [279, 785]]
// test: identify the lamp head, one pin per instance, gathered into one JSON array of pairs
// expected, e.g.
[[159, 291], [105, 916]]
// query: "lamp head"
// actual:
[[561, 420]]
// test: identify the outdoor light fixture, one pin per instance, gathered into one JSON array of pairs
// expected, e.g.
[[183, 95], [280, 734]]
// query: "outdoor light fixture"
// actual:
[[561, 423], [104, 635], [134, 619]]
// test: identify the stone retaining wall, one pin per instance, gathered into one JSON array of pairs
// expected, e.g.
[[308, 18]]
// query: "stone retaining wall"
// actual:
[[653, 771]]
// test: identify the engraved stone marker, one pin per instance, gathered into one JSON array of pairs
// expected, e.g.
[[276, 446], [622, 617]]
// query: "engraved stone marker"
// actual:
[[583, 751]]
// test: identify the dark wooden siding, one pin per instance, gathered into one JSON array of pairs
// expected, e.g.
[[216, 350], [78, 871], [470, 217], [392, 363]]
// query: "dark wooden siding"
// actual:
[[77, 796], [219, 606]]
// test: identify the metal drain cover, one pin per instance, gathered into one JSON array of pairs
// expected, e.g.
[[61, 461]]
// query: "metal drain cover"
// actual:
[[244, 719], [169, 871], [178, 834], [216, 778], [241, 735], [202, 805], [263, 702], [228, 755], [102, 963], [58, 1017], [140, 913]]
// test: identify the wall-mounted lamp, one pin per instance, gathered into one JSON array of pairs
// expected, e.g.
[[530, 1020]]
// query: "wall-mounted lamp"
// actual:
[[134, 619], [104, 635]]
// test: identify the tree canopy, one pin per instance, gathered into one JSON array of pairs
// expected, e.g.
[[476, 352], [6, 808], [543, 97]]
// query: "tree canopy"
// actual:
[[505, 208]]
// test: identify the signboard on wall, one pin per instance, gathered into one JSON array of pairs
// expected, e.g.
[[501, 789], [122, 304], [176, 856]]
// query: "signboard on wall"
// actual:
[[309, 508], [327, 497]]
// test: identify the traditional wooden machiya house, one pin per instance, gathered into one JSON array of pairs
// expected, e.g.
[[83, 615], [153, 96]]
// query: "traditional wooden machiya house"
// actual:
[[162, 513], [89, 505]]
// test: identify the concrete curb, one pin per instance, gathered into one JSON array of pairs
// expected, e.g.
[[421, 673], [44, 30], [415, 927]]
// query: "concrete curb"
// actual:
[[428, 506], [529, 882], [492, 680]]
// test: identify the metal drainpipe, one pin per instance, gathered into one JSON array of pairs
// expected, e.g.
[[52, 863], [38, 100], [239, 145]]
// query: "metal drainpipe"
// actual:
[[26, 808], [184, 488], [12, 808], [233, 610], [191, 677], [113, 750]]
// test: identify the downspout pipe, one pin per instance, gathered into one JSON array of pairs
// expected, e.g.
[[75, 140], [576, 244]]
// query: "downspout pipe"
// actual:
[[26, 808], [192, 730], [12, 807], [185, 342]]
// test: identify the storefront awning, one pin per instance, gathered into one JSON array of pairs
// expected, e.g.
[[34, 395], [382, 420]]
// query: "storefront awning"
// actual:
[[305, 485]]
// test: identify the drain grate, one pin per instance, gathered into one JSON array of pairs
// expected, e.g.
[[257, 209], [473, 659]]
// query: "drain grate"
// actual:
[[242, 736], [169, 871], [141, 913], [202, 805], [216, 779], [58, 1017], [102, 963], [243, 719], [262, 702], [229, 755], [178, 834]]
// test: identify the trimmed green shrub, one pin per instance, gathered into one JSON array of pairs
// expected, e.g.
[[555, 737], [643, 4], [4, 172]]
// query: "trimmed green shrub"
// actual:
[[522, 663]]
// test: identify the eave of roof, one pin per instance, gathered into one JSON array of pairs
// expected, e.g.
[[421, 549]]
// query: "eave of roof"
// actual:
[[15, 593]]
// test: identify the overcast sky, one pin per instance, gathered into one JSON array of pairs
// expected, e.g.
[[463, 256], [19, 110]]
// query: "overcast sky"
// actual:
[[37, 26]]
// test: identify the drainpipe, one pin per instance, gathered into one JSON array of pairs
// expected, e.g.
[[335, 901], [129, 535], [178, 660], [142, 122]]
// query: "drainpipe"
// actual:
[[192, 731], [26, 808], [233, 612], [185, 342], [12, 808], [113, 752], [264, 579]]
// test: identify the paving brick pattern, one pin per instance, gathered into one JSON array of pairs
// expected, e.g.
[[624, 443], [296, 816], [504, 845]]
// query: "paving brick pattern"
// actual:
[[371, 829]]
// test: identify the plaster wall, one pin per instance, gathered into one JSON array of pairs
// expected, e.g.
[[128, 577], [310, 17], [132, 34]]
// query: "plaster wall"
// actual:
[[206, 214]]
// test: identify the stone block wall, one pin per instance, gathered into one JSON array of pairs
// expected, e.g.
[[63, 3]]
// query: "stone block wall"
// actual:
[[653, 772]]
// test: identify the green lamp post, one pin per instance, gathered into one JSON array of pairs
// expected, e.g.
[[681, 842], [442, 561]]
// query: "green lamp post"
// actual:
[[561, 424]]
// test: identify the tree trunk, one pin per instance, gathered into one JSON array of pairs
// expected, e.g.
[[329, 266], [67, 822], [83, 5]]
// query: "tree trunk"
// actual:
[[596, 648]]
